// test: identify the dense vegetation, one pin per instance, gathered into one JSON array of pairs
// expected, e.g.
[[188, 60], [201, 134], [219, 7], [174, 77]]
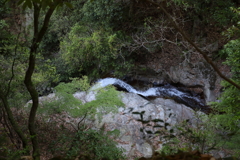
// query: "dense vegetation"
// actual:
[[61, 46]]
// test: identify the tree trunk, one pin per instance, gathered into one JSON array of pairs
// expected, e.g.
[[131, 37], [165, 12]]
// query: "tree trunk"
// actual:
[[34, 95], [37, 38]]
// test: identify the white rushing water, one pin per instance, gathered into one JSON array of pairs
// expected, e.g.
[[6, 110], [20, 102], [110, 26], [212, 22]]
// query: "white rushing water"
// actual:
[[164, 91], [114, 81]]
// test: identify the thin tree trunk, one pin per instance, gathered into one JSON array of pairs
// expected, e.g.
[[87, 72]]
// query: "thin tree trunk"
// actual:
[[38, 35], [34, 95]]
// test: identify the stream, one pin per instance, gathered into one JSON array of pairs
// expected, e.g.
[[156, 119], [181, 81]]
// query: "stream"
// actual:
[[166, 91]]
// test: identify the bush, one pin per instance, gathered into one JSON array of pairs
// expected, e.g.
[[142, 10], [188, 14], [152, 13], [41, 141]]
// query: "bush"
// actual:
[[188, 137], [84, 143], [95, 51], [107, 13], [216, 12], [107, 100], [90, 144]]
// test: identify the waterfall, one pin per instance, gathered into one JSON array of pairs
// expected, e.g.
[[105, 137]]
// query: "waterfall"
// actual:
[[168, 91]]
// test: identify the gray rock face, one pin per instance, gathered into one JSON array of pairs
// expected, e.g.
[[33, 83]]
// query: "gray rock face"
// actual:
[[181, 111], [138, 120], [198, 75]]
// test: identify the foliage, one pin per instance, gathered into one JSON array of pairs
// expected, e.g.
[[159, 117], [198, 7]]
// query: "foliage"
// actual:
[[39, 29], [94, 51], [228, 119], [89, 144], [97, 46], [229, 100], [188, 137], [4, 33], [45, 74], [231, 50], [4, 148], [12, 67], [234, 30], [108, 13], [209, 133], [43, 3], [16, 58], [107, 100], [62, 22], [214, 12], [4, 9], [229, 104], [88, 19], [228, 108], [17, 90]]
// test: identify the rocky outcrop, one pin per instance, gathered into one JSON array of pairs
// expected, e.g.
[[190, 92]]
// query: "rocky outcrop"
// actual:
[[195, 75], [198, 76], [138, 121]]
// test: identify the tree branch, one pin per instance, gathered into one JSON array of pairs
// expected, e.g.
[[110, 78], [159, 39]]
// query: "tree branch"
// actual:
[[194, 45], [13, 63], [36, 13], [45, 23]]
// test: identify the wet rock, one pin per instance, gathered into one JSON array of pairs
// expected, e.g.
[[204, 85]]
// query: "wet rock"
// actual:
[[199, 75]]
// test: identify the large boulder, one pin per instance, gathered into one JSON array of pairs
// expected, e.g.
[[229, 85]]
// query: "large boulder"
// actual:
[[138, 121]]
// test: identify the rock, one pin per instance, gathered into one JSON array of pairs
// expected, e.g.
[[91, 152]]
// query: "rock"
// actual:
[[181, 111], [195, 75], [138, 120], [191, 75]]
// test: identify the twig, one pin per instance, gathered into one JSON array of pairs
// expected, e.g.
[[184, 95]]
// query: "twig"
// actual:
[[81, 120]]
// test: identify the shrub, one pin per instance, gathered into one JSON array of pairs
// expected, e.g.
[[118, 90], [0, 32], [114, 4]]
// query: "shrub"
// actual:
[[95, 51]]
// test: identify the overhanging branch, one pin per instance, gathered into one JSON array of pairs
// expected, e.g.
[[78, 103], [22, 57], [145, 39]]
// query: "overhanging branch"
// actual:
[[194, 45]]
